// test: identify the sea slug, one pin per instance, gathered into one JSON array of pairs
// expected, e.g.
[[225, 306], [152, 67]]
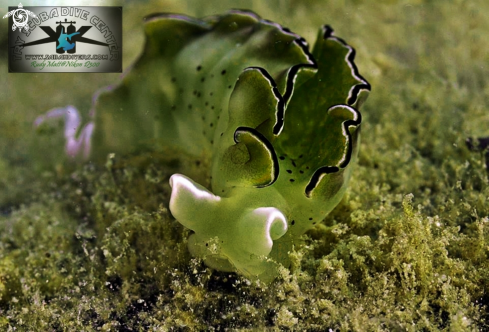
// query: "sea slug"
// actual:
[[277, 126]]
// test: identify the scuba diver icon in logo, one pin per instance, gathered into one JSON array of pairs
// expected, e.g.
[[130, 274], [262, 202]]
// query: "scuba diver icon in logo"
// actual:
[[66, 41]]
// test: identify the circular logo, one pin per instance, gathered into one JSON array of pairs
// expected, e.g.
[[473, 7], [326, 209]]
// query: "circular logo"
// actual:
[[20, 18]]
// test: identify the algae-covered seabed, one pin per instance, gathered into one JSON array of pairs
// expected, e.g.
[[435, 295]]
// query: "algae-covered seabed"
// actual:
[[93, 247]]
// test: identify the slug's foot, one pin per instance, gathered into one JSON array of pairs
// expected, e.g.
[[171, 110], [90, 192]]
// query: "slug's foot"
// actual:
[[75, 146], [229, 233]]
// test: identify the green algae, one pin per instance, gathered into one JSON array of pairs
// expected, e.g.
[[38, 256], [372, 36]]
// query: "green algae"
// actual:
[[93, 247]]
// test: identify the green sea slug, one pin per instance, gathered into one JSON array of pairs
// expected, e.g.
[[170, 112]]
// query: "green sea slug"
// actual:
[[278, 126]]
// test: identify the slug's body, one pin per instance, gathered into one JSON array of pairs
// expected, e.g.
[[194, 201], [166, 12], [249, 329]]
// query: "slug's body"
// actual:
[[277, 125]]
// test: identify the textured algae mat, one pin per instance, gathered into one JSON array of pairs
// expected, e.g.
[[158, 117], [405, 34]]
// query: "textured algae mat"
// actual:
[[93, 246]]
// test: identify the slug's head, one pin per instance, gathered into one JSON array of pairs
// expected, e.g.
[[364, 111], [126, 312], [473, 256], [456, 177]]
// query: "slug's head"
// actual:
[[230, 233]]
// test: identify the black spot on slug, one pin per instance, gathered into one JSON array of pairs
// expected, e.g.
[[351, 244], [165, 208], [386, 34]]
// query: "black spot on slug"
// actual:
[[289, 171], [202, 79], [173, 79], [281, 158], [291, 180], [310, 218], [293, 163], [223, 72], [189, 106], [199, 68], [292, 222]]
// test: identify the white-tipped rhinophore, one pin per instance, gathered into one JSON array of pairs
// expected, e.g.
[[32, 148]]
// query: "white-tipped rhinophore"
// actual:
[[227, 236]]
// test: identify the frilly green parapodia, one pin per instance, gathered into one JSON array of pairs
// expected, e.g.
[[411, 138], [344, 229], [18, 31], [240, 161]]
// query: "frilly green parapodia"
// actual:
[[278, 125]]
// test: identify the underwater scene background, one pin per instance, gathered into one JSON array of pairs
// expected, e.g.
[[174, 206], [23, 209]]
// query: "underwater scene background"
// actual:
[[92, 246]]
